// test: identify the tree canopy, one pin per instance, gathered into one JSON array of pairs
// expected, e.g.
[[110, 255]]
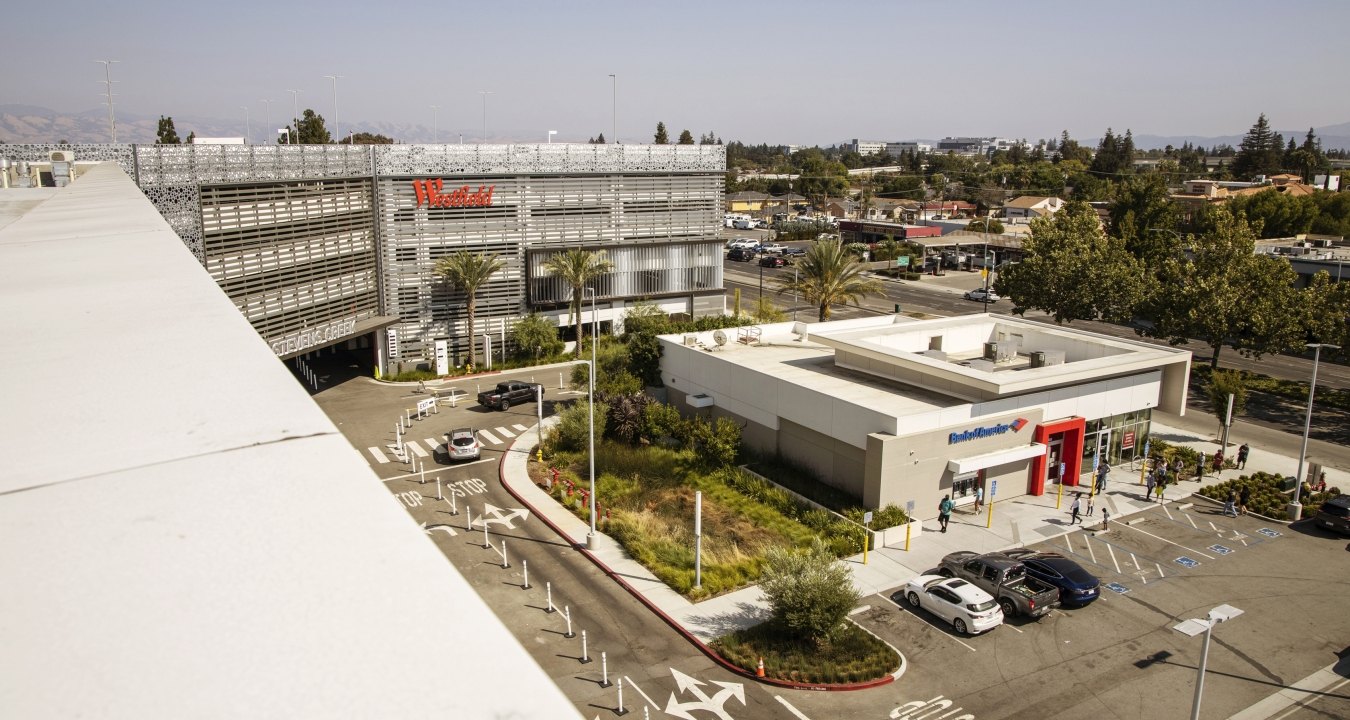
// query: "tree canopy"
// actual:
[[577, 267], [467, 272], [1072, 270], [311, 130], [810, 593], [1260, 151], [661, 137], [686, 138], [829, 275], [166, 134]]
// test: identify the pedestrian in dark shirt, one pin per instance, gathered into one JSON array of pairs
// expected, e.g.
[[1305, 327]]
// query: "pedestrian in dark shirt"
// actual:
[[1242, 456]]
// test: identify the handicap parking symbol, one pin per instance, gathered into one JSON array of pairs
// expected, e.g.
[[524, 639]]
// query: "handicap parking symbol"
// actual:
[[1220, 549], [1117, 588], [1186, 562], [1269, 533]]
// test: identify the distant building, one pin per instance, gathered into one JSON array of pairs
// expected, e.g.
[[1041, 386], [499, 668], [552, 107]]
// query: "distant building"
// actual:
[[1028, 207], [746, 202], [897, 149], [977, 145], [867, 147]]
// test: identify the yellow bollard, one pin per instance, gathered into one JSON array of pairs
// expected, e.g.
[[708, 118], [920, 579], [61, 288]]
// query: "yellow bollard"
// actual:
[[907, 527], [1059, 496], [990, 522]]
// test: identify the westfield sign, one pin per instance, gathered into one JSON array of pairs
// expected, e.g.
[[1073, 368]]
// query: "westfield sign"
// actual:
[[432, 194]]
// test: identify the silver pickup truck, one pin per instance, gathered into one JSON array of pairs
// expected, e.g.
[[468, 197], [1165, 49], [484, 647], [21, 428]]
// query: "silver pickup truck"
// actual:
[[1004, 578]]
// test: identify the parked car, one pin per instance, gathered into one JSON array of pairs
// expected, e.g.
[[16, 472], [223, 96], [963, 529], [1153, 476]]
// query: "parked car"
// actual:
[[743, 244], [463, 444], [1334, 514], [979, 294], [741, 255], [969, 609], [1076, 585], [772, 247], [772, 261], [790, 252], [1004, 578]]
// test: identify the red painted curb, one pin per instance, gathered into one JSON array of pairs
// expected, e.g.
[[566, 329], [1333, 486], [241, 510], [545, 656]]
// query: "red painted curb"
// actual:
[[702, 647]]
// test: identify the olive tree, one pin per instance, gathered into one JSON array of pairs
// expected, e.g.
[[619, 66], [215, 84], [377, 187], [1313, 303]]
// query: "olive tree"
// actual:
[[810, 592]]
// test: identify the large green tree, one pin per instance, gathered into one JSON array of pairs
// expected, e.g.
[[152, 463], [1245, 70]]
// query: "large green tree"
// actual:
[[810, 592], [536, 337], [166, 134], [1260, 151], [1072, 270], [310, 129], [686, 138], [1144, 217], [1274, 214], [1221, 291], [577, 267], [661, 138], [466, 272], [365, 138], [829, 275]]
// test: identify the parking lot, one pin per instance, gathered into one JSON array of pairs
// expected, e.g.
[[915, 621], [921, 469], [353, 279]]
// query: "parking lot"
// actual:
[[1120, 656]]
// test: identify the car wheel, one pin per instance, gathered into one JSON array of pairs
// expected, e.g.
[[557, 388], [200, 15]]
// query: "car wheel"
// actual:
[[913, 599], [1008, 607], [960, 626], [506, 405], [944, 572]]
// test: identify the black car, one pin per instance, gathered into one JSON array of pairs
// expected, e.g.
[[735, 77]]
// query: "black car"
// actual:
[[793, 252], [772, 261], [1334, 514], [1076, 585], [741, 255]]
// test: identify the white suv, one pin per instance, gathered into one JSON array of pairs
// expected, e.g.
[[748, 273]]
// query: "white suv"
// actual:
[[463, 444]]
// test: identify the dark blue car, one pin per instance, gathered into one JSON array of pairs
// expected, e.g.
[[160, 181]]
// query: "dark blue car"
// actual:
[[1076, 585]]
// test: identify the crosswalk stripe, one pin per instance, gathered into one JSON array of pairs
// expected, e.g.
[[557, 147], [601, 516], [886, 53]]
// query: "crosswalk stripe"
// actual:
[[435, 445], [488, 437], [379, 456], [505, 432], [520, 428], [417, 449]]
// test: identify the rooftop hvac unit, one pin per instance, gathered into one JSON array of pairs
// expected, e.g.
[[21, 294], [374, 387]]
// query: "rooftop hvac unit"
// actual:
[[63, 156], [1046, 358], [1002, 351]]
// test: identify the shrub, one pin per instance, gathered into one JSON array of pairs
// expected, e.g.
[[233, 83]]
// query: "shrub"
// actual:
[[573, 429], [810, 592], [852, 656], [661, 420], [536, 337], [888, 517]]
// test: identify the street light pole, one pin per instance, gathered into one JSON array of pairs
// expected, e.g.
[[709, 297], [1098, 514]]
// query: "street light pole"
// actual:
[[614, 107], [295, 112], [1192, 628], [248, 128], [485, 93], [1295, 507], [267, 112], [435, 124], [551, 133], [590, 400], [337, 125]]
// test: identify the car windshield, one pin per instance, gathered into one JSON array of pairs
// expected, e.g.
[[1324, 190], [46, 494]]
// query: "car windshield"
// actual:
[[981, 607], [462, 440], [1335, 509]]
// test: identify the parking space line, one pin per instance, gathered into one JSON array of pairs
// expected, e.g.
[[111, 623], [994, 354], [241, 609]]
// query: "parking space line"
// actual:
[[1068, 541], [379, 456], [1113, 559], [909, 610], [1092, 553], [1216, 529], [633, 685], [489, 438], [1160, 572], [1168, 512], [417, 449], [1191, 520], [1169, 542], [1135, 560], [504, 431]]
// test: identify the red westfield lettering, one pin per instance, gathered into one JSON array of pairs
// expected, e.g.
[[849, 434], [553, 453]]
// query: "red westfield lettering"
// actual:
[[431, 193]]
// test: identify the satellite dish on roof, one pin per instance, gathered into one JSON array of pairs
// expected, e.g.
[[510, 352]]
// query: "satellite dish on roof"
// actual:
[[719, 337]]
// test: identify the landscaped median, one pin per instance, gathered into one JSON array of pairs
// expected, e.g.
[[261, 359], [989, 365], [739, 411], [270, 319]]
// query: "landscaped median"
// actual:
[[646, 499], [1267, 495]]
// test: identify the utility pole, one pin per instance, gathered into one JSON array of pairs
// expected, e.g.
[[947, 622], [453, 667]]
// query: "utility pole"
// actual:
[[614, 107], [485, 93], [108, 83], [337, 126], [295, 108]]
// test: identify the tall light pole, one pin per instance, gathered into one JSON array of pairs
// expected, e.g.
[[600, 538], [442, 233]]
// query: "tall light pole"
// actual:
[[590, 400], [435, 124], [1295, 507], [485, 93], [295, 108], [108, 83], [986, 260], [551, 133], [267, 112], [248, 127], [614, 107], [337, 126], [1192, 628]]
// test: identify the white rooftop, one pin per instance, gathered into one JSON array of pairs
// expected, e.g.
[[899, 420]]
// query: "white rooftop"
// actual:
[[182, 532]]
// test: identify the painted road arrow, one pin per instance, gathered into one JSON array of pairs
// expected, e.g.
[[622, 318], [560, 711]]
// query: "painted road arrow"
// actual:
[[493, 515], [713, 704]]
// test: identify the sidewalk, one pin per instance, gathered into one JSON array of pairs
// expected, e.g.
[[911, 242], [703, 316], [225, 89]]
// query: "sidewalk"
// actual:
[[1023, 520]]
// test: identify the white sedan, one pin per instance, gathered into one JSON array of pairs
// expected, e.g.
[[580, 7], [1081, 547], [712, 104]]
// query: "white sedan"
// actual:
[[969, 609], [772, 247], [979, 294]]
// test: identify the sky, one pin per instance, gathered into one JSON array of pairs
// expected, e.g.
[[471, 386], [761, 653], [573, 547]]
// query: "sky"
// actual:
[[783, 72]]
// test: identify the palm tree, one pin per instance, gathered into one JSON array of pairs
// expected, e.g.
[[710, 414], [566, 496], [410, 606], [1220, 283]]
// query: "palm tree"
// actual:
[[827, 275], [467, 272], [577, 267]]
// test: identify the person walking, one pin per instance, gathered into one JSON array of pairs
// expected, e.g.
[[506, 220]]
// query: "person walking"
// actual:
[[1243, 497], [979, 497], [1106, 519], [1162, 484], [1074, 508], [1089, 506], [1102, 469], [1151, 481], [1230, 507], [945, 511], [1179, 467], [1242, 456], [1218, 462]]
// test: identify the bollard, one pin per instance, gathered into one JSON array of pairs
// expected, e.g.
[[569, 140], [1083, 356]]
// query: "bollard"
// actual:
[[438, 489], [422, 470], [486, 543], [468, 518], [505, 564], [645, 714], [604, 670], [621, 710], [525, 565], [454, 506], [548, 586], [567, 613], [585, 656]]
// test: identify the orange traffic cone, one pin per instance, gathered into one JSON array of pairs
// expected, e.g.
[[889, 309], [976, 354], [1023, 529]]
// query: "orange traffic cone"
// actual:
[[759, 671]]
